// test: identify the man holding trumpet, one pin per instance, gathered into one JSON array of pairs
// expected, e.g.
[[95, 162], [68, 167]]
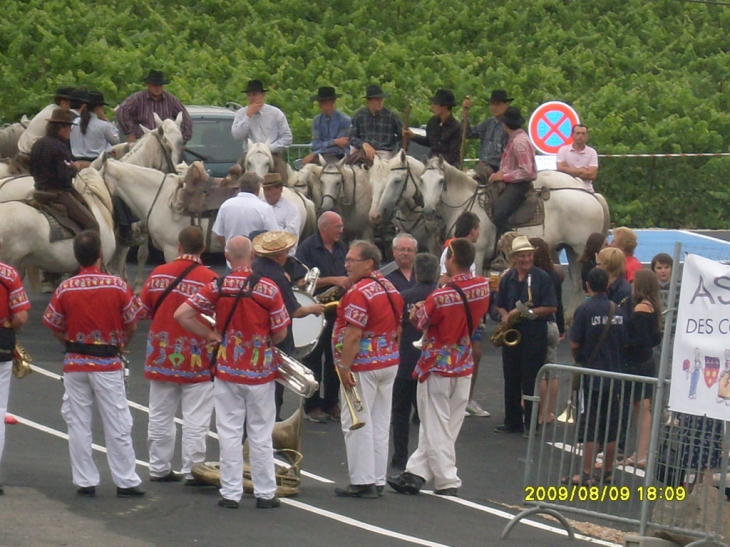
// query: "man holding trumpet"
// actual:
[[365, 347], [449, 315]]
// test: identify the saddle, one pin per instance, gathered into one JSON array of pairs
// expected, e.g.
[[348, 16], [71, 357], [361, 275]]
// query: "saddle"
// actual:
[[530, 213], [61, 226]]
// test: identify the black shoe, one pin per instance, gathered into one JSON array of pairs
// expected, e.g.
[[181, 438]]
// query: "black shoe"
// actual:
[[271, 503], [380, 489], [406, 483], [398, 464], [86, 491], [365, 491], [196, 482], [2, 490], [507, 429], [227, 504], [170, 477], [447, 492], [133, 492]]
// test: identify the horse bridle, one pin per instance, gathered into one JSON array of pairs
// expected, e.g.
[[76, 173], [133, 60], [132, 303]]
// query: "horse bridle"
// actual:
[[166, 152], [418, 195], [336, 199]]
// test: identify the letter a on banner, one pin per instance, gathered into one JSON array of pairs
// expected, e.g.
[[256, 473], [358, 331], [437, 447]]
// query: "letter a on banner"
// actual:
[[701, 361]]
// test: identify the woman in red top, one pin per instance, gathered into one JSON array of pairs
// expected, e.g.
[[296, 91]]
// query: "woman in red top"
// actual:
[[625, 239]]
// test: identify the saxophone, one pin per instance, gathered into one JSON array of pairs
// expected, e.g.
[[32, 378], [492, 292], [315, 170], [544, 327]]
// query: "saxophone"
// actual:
[[506, 334]]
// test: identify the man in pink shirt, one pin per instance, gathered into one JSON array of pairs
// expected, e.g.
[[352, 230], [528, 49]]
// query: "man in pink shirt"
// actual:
[[579, 159], [517, 169]]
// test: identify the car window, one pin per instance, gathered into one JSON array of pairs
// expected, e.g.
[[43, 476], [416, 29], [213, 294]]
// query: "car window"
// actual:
[[212, 141]]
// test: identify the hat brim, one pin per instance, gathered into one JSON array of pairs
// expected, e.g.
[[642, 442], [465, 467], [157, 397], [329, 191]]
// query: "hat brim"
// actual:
[[522, 249], [378, 96], [439, 102], [59, 122], [317, 98], [274, 183], [156, 82], [260, 250], [498, 100], [248, 90]]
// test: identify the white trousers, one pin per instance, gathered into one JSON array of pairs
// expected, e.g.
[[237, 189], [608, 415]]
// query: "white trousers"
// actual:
[[236, 406], [196, 401], [367, 447], [441, 405], [82, 389], [5, 373]]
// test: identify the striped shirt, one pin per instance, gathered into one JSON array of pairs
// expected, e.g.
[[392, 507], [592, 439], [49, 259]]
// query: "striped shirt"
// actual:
[[267, 125], [518, 160], [137, 110], [382, 131]]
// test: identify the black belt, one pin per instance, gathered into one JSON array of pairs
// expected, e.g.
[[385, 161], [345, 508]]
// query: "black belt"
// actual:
[[7, 344], [93, 350]]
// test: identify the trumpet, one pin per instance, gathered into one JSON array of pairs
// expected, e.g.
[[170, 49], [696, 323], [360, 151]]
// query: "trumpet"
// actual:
[[354, 403]]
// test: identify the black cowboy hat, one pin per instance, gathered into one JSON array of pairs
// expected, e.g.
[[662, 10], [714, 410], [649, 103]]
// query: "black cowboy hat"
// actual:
[[375, 92], [61, 116], [255, 85], [96, 98], [443, 97], [63, 92], [80, 95], [512, 118], [325, 93], [156, 77], [500, 96]]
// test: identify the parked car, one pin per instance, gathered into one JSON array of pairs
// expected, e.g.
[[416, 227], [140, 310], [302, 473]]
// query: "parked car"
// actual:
[[212, 142]]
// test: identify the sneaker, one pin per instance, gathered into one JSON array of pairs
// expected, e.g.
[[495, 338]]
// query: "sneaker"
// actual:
[[133, 492], [473, 409], [507, 429], [170, 477], [271, 503], [317, 416], [228, 504], [86, 491]]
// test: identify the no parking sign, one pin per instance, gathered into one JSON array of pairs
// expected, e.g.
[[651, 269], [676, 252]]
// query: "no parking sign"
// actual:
[[551, 125]]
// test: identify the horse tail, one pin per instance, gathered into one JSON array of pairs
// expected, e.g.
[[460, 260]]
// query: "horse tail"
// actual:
[[606, 212]]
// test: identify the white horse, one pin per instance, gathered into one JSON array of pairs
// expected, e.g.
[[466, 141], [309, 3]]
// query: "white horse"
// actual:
[[346, 189], [571, 215], [258, 159], [306, 181], [25, 230], [397, 198], [9, 135]]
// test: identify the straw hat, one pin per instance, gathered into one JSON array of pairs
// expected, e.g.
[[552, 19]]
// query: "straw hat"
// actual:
[[273, 242], [272, 179], [521, 243]]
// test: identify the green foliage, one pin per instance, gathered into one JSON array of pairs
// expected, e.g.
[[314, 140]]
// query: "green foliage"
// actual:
[[644, 76]]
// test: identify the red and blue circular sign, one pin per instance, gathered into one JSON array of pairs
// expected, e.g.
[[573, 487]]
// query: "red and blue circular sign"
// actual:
[[551, 126]]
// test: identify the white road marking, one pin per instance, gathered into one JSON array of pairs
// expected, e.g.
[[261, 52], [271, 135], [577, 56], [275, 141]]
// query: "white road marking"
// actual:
[[211, 434], [505, 515], [579, 452]]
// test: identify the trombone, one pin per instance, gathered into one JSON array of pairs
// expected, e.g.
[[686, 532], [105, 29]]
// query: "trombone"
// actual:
[[354, 403]]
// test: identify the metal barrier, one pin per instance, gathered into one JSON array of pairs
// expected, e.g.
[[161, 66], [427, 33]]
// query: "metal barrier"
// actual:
[[670, 488]]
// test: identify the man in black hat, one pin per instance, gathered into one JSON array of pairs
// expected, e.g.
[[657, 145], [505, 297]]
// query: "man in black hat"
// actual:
[[53, 170], [37, 126], [491, 135], [443, 132], [329, 129], [261, 122], [375, 129], [517, 169], [138, 109]]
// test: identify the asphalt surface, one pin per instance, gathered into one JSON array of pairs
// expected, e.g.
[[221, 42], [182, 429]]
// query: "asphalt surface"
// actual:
[[41, 508]]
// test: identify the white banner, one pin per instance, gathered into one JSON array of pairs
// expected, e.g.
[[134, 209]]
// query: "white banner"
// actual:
[[701, 363]]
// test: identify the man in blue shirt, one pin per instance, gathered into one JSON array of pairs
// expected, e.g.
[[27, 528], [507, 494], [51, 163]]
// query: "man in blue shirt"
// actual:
[[329, 129]]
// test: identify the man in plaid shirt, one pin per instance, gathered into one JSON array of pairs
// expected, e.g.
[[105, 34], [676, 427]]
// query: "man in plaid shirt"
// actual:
[[374, 129], [517, 169]]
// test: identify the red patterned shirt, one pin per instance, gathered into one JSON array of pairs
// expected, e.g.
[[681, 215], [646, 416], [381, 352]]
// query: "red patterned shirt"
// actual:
[[447, 350], [173, 353], [367, 306], [12, 295], [246, 354], [92, 308]]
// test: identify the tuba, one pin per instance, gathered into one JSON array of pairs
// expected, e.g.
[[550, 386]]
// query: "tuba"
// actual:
[[21, 362], [295, 376], [310, 281]]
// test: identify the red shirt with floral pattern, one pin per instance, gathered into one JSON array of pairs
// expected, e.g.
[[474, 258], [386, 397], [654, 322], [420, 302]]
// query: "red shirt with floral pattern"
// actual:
[[13, 298]]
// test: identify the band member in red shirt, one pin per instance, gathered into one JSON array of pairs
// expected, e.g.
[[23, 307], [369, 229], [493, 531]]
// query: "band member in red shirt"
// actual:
[[14, 308], [94, 315], [177, 362], [365, 347], [450, 315], [250, 318]]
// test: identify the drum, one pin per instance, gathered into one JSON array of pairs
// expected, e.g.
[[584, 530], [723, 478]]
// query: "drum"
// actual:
[[306, 330]]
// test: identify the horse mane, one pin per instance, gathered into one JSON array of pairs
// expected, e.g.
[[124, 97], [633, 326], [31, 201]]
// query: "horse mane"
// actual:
[[451, 172], [259, 147]]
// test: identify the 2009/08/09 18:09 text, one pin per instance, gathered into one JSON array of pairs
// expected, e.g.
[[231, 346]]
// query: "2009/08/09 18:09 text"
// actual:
[[603, 493]]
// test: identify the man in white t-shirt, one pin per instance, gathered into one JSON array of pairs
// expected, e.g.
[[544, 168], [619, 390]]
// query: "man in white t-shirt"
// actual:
[[244, 213], [37, 126], [579, 159]]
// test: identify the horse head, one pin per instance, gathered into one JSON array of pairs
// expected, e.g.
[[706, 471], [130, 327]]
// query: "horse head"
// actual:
[[258, 158], [196, 187], [378, 176], [160, 148], [306, 181], [402, 188], [433, 184], [332, 182]]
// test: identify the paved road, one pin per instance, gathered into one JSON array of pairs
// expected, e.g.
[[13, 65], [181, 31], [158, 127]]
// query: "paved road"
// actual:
[[41, 508]]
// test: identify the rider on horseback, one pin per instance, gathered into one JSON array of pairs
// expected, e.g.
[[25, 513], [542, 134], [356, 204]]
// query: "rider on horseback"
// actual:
[[517, 169], [53, 171]]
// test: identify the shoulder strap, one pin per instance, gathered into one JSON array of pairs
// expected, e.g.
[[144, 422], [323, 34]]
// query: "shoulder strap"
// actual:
[[611, 313], [171, 286], [467, 309], [246, 290], [390, 300]]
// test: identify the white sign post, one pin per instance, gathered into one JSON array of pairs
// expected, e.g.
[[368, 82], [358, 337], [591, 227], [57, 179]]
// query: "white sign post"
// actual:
[[701, 362]]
